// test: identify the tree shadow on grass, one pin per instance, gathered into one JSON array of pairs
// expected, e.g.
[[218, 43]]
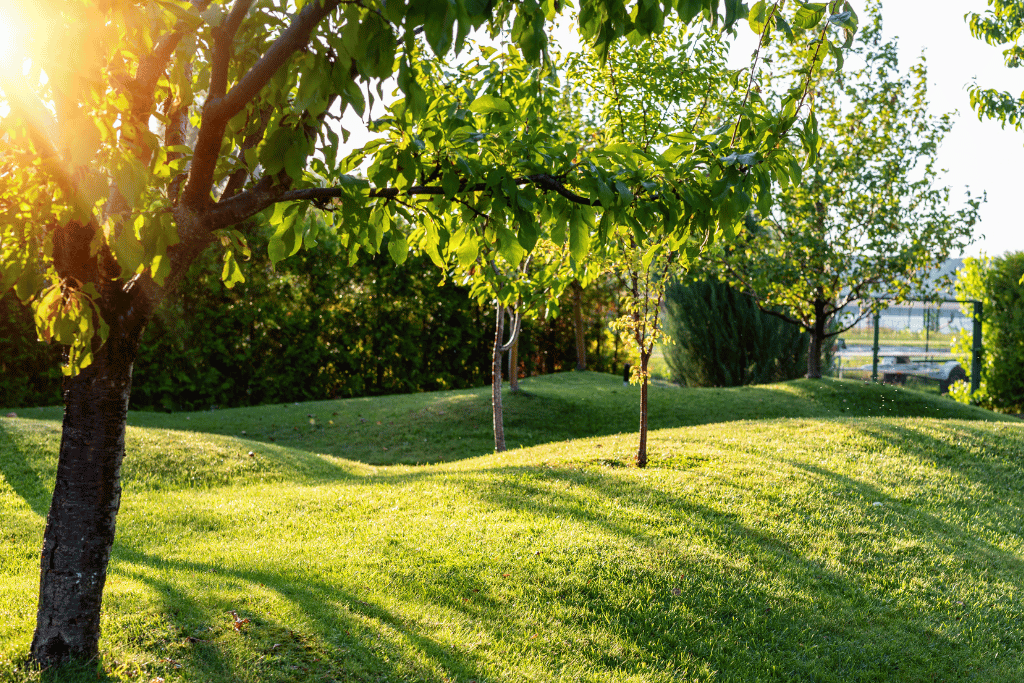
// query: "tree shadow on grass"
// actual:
[[785, 610], [25, 472], [352, 638], [669, 587]]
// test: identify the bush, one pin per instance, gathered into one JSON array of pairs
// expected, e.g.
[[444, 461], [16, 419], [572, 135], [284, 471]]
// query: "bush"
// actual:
[[720, 338], [997, 284], [29, 369], [313, 328]]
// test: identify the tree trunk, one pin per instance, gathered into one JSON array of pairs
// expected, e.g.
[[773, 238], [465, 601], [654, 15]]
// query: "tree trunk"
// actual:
[[513, 367], [86, 498], [641, 451], [577, 318], [496, 408], [817, 339]]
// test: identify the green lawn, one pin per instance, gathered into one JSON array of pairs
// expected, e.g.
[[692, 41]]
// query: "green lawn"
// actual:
[[807, 531]]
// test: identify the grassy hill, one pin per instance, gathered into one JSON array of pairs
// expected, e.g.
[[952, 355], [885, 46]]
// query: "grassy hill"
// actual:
[[808, 531]]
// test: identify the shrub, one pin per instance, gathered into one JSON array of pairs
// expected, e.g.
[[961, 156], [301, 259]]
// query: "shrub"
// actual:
[[997, 284], [720, 338], [29, 369]]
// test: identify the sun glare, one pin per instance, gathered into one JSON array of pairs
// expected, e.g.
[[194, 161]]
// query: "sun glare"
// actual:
[[11, 32]]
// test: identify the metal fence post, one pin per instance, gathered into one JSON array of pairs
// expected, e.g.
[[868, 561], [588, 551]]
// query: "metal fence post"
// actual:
[[977, 349], [874, 350]]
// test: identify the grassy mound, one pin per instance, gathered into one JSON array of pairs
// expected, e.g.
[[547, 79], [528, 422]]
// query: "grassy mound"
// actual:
[[869, 534]]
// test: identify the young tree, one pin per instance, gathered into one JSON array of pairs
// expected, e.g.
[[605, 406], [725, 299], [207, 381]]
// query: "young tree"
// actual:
[[672, 89], [146, 131], [865, 219]]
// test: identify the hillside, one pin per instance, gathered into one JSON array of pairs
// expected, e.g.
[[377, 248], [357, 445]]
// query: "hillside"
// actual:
[[829, 531]]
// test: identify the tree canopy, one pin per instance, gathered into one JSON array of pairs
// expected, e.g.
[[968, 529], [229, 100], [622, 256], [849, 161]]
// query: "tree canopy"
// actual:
[[866, 221]]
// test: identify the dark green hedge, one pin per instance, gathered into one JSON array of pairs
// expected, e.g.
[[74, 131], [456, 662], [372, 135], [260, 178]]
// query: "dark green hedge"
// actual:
[[721, 339], [314, 328]]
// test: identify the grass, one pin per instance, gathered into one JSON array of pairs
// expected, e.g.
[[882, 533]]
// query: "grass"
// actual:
[[809, 531]]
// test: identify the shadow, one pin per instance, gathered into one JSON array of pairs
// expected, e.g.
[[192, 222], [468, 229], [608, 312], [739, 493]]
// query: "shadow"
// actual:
[[29, 474], [346, 641]]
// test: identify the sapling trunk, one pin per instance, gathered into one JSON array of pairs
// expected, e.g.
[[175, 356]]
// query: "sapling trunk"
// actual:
[[641, 451], [497, 411], [513, 367], [496, 407]]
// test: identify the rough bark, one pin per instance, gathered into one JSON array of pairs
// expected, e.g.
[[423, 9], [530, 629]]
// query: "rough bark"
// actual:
[[577, 319], [87, 495]]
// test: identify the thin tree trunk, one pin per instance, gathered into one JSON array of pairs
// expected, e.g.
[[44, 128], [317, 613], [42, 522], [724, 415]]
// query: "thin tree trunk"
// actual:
[[577, 318], [87, 495], [641, 451], [513, 367], [496, 407], [817, 338]]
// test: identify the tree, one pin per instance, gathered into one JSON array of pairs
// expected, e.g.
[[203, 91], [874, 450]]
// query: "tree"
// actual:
[[1002, 24], [673, 85], [145, 133], [865, 220]]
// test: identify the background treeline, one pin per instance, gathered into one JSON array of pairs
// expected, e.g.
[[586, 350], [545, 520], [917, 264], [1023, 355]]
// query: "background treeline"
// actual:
[[314, 328]]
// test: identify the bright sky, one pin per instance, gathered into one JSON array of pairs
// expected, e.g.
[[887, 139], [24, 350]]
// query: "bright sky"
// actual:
[[976, 154]]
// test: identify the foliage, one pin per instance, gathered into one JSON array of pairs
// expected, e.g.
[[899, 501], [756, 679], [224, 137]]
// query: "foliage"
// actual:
[[720, 338], [866, 218], [29, 371], [1002, 24], [999, 284], [313, 327]]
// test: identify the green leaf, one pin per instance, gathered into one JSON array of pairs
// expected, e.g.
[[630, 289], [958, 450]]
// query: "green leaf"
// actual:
[[809, 15], [509, 247], [450, 183], [489, 104], [847, 20], [295, 158], [231, 274], [579, 235], [758, 16], [398, 247]]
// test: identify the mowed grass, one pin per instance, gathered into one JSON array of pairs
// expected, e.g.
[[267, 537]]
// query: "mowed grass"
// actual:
[[809, 531]]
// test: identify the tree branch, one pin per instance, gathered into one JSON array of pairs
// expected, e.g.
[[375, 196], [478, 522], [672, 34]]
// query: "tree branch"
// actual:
[[218, 110], [293, 39], [241, 206], [237, 179], [143, 86]]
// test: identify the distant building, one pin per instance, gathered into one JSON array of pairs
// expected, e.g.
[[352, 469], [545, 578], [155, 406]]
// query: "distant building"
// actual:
[[941, 316]]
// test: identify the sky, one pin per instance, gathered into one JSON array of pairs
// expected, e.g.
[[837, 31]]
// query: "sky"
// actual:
[[977, 154]]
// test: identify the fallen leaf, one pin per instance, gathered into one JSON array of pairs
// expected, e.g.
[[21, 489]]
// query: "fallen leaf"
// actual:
[[237, 621]]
